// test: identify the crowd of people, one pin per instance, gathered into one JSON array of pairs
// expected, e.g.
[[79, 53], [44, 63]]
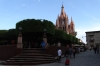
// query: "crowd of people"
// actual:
[[70, 51]]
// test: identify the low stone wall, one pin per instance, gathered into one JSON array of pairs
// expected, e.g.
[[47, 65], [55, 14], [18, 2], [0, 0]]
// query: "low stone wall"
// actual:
[[8, 51], [52, 50]]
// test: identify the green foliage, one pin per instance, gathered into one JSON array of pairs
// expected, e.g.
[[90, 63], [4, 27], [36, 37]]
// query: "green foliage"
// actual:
[[63, 35], [37, 26], [11, 34], [32, 25], [59, 33], [3, 34], [8, 34]]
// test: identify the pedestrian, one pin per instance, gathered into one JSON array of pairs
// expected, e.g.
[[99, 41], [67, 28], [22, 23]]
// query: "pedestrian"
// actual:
[[79, 49], [67, 51], [95, 49], [70, 51], [74, 52], [59, 55], [43, 46], [98, 50], [90, 48]]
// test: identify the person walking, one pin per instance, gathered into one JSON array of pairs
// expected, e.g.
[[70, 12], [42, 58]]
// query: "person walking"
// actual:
[[59, 55], [70, 51], [74, 52], [98, 50], [95, 49], [43, 46], [67, 51]]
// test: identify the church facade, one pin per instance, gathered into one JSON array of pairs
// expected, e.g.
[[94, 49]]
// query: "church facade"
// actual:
[[62, 23]]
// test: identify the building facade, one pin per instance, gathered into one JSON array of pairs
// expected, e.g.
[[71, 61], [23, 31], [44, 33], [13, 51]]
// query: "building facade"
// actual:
[[93, 38], [62, 23]]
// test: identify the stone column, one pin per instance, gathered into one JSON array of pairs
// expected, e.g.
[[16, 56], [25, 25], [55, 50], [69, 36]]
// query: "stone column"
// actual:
[[19, 41]]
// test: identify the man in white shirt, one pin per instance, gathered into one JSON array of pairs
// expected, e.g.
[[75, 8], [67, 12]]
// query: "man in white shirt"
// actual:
[[59, 54]]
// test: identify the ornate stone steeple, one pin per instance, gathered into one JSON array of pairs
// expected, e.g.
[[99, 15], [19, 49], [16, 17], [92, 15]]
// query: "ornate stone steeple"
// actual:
[[62, 22], [62, 9], [63, 14], [72, 28]]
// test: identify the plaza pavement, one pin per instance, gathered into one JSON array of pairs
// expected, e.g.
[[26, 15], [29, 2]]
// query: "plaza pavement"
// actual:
[[87, 58]]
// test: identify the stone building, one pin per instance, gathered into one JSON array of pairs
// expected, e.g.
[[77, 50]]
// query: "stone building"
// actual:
[[62, 23], [93, 38]]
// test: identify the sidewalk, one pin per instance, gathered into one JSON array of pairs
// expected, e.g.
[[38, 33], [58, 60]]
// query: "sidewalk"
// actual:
[[87, 58]]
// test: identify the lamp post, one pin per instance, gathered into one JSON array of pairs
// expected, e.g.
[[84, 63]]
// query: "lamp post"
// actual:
[[83, 36], [20, 29], [19, 41], [45, 37]]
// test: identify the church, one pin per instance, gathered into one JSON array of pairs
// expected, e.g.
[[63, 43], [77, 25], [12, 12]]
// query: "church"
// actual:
[[62, 23]]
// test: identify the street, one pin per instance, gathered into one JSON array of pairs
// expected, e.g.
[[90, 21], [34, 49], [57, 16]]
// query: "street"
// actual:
[[87, 58]]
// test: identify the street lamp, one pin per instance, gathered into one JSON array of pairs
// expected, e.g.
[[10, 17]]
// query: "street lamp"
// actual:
[[83, 36], [19, 41], [45, 37], [20, 28], [44, 29], [44, 32]]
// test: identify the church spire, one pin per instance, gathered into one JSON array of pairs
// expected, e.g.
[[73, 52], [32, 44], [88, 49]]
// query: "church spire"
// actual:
[[72, 23], [62, 9], [71, 19]]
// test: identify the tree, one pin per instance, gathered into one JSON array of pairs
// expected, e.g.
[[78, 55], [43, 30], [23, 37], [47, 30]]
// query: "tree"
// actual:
[[32, 25]]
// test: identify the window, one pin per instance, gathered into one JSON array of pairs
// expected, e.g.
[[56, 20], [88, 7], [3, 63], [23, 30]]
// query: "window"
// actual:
[[62, 22]]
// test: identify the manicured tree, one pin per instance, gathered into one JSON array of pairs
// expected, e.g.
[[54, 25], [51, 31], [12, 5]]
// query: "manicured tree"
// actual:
[[3, 34], [32, 28], [76, 40], [73, 39], [59, 35], [12, 34], [3, 37], [32, 25]]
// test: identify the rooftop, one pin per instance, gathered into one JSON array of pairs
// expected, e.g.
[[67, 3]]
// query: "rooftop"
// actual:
[[92, 31]]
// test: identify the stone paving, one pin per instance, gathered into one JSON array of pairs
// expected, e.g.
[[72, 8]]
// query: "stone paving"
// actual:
[[87, 58]]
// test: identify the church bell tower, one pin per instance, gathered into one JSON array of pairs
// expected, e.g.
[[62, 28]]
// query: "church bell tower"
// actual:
[[62, 23]]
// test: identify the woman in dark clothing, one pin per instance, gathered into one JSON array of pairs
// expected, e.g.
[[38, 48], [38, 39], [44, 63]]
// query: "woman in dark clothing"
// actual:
[[74, 52], [95, 49], [98, 50], [67, 52]]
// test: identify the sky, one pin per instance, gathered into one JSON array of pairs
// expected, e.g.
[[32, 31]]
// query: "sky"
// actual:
[[85, 13]]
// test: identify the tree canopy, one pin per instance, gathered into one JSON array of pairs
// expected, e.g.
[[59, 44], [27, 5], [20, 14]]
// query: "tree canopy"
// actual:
[[37, 27], [33, 25]]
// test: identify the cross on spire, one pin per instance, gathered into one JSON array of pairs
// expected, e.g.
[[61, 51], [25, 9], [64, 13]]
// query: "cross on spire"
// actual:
[[62, 5]]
